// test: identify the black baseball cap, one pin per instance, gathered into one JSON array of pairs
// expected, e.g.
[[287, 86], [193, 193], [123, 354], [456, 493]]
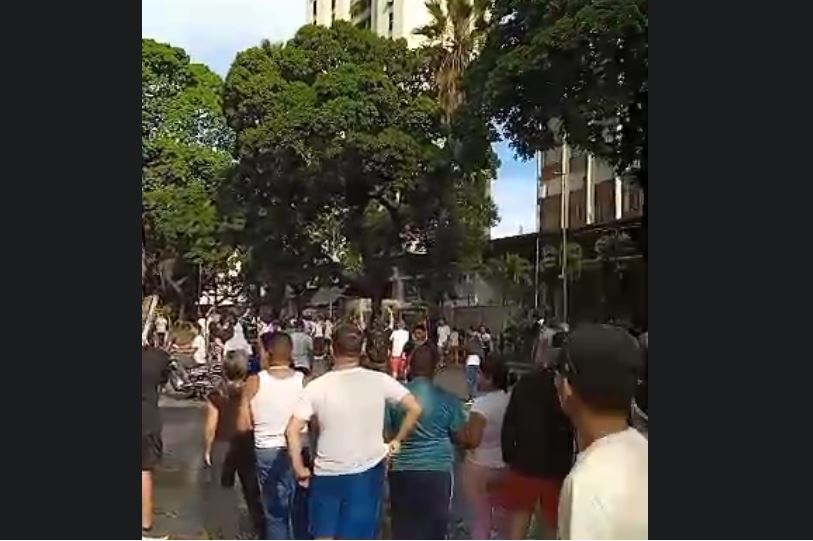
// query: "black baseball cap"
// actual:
[[601, 363]]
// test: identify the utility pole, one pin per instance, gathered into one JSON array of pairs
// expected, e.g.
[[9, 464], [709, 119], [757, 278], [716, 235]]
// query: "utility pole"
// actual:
[[540, 190], [565, 221]]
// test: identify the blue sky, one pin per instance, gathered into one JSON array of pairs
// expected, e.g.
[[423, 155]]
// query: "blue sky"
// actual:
[[213, 31]]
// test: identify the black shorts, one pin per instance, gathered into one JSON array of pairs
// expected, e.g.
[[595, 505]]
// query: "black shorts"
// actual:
[[151, 450]]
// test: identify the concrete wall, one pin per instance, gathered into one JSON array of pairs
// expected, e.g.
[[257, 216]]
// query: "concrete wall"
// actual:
[[493, 317]]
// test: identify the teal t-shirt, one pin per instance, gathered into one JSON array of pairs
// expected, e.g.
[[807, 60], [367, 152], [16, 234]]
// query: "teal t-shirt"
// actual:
[[429, 447]]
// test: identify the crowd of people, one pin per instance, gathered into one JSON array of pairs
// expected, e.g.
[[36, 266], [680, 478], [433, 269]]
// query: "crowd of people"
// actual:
[[317, 450]]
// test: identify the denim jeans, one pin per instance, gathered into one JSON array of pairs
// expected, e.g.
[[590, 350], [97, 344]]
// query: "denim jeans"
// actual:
[[471, 379], [284, 500], [420, 502]]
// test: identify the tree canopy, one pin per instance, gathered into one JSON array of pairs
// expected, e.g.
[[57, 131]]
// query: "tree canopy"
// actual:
[[185, 147], [342, 164], [574, 69]]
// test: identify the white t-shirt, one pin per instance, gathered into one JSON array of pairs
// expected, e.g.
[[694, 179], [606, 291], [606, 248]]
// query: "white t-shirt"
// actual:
[[161, 324], [349, 407], [319, 330], [200, 349], [473, 360], [443, 334], [266, 328], [492, 406], [310, 327], [606, 494], [301, 349], [454, 339], [399, 339]]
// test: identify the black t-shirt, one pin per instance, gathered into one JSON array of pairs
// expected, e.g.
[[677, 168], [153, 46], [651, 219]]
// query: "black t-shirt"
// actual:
[[412, 345], [154, 372], [537, 437]]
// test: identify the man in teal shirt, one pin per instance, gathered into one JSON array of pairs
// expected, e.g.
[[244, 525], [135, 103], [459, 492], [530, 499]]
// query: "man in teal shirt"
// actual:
[[421, 472]]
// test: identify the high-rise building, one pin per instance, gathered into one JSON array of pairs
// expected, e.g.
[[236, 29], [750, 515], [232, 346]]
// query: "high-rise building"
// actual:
[[387, 18], [593, 193]]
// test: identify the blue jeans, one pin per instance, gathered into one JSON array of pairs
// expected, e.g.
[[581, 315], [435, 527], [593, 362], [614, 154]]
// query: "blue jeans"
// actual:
[[420, 503], [471, 379], [347, 506], [284, 500]]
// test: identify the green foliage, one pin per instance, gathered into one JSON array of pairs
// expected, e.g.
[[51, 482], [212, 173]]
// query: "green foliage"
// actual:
[[185, 144], [512, 275], [612, 248], [569, 68], [454, 35], [551, 260], [342, 162]]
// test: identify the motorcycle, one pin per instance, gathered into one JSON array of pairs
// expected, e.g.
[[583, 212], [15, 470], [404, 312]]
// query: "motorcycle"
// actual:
[[196, 381]]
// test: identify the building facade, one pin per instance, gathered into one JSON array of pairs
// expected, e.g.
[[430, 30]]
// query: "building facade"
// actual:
[[388, 18], [593, 193]]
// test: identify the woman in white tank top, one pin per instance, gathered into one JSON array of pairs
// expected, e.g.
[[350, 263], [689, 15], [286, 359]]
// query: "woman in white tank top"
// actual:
[[268, 402]]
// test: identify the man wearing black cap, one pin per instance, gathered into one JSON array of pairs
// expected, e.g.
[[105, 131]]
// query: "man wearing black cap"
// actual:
[[605, 496]]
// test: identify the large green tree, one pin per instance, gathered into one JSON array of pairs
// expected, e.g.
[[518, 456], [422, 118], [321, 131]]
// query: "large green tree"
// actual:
[[341, 158], [574, 70], [185, 146]]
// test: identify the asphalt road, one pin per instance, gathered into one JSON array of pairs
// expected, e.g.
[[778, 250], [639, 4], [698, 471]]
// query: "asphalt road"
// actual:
[[181, 479]]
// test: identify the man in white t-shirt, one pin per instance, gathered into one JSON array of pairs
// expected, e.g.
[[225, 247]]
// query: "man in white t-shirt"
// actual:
[[473, 360], [348, 404], [443, 334], [199, 345], [606, 494], [161, 326], [398, 338], [302, 353]]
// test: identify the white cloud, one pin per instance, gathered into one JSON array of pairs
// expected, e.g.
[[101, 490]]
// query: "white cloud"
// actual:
[[214, 31]]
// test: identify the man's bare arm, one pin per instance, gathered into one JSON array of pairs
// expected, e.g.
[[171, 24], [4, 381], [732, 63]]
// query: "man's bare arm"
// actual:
[[244, 421], [293, 433], [210, 430], [471, 434], [413, 412]]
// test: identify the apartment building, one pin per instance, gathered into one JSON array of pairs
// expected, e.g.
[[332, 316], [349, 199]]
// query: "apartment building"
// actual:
[[387, 18], [593, 193]]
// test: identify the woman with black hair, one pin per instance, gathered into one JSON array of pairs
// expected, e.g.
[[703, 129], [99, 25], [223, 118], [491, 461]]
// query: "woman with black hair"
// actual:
[[481, 436]]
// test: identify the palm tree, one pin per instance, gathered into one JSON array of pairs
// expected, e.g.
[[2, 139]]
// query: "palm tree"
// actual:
[[612, 249], [456, 33], [512, 275]]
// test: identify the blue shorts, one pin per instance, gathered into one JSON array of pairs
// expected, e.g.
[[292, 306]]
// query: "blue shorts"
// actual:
[[347, 506]]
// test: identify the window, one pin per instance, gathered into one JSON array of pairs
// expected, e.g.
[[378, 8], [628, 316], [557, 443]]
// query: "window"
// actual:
[[392, 23], [333, 10], [633, 199], [314, 10]]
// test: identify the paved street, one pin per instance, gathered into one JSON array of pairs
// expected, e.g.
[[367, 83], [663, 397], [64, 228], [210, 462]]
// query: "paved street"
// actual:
[[180, 481]]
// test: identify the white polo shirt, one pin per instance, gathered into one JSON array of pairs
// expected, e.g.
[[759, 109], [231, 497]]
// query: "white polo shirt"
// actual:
[[349, 406]]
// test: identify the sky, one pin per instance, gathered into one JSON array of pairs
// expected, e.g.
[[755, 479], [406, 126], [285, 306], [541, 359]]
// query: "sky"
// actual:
[[213, 31]]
